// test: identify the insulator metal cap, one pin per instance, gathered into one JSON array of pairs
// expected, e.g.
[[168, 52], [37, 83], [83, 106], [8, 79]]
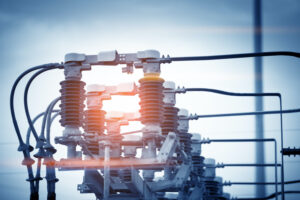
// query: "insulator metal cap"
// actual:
[[169, 85], [209, 161], [74, 57], [95, 88], [183, 112], [196, 137], [107, 56], [218, 179], [148, 54]]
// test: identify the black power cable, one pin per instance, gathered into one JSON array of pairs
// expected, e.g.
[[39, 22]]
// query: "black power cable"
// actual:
[[26, 98], [12, 95], [29, 120], [183, 90], [292, 182], [296, 110], [33, 121], [48, 118], [291, 151], [41, 140], [44, 122], [229, 183], [271, 112], [226, 56], [240, 55], [50, 150], [37, 176], [270, 196], [49, 126], [22, 146]]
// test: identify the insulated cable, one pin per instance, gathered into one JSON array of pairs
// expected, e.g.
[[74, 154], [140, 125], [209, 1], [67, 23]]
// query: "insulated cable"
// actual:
[[33, 121], [42, 134], [270, 196], [183, 90], [23, 147], [52, 105], [226, 56], [26, 98], [12, 94]]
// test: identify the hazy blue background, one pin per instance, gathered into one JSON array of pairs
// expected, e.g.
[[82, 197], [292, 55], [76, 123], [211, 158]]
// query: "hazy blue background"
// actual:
[[37, 32]]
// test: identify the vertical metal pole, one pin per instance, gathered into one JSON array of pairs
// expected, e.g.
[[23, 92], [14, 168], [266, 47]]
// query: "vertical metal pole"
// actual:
[[276, 169], [106, 172], [282, 157], [259, 121]]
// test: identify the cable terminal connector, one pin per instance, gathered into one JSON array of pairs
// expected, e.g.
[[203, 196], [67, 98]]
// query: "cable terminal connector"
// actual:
[[220, 165], [24, 147], [226, 183], [163, 60], [201, 141], [290, 151], [193, 116], [180, 90], [166, 59], [41, 153]]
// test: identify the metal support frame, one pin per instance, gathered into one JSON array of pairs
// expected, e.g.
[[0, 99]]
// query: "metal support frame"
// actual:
[[258, 80]]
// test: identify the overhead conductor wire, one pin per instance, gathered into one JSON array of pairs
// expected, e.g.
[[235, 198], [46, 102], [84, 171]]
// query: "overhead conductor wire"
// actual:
[[183, 90]]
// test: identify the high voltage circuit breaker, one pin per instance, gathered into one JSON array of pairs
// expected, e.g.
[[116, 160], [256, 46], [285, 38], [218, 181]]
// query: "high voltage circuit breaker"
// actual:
[[123, 165]]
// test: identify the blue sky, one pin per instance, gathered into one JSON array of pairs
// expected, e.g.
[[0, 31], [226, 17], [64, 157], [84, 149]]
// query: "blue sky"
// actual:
[[36, 32]]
